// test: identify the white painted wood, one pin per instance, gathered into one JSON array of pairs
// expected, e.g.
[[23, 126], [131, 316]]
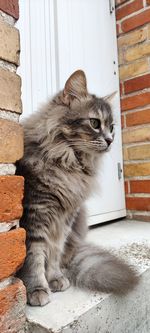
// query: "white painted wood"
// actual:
[[104, 217], [37, 59], [58, 37]]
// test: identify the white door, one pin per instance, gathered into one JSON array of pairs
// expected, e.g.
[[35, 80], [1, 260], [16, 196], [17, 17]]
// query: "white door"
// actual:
[[58, 37]]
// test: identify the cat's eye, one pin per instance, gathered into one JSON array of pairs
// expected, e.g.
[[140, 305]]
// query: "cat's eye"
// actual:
[[95, 123], [111, 128]]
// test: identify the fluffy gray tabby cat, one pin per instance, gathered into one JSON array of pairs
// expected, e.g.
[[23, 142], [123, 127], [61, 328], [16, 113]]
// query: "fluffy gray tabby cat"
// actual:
[[63, 143]]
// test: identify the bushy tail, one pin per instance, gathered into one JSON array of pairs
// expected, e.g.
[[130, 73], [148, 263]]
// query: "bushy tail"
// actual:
[[98, 270]]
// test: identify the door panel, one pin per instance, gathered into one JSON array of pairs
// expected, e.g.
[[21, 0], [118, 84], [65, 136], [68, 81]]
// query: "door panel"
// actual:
[[58, 37]]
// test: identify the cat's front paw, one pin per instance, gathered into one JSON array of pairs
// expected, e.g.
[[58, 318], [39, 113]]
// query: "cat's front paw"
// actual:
[[60, 284], [38, 297]]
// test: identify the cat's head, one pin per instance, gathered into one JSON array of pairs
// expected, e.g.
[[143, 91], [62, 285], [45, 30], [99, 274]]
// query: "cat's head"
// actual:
[[88, 122]]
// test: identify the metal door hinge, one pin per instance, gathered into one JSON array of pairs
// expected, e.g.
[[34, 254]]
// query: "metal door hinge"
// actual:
[[111, 6], [119, 170]]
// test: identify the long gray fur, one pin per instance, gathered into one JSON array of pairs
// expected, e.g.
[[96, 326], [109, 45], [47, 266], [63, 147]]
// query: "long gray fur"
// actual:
[[60, 163]]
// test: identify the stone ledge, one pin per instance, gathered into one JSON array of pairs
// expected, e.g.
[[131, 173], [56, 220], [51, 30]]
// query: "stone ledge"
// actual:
[[75, 311]]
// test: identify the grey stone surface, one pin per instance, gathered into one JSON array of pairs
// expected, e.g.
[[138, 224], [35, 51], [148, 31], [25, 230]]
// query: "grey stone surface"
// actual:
[[6, 226], [6, 282], [7, 18], [76, 311], [7, 169], [6, 65], [9, 115]]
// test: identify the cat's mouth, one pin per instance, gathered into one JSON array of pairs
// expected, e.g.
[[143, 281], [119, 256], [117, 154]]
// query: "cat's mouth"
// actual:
[[108, 148], [105, 149]]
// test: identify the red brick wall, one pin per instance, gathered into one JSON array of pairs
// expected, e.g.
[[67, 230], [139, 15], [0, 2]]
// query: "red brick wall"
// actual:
[[133, 28], [12, 238]]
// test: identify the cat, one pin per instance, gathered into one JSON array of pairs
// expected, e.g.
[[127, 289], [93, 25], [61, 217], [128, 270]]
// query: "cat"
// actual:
[[63, 144]]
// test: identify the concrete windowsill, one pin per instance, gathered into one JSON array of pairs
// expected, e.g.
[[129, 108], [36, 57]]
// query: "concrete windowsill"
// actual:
[[76, 311]]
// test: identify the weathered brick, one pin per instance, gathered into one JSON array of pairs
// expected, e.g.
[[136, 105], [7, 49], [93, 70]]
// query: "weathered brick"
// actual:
[[125, 154], [138, 203], [139, 169], [129, 8], [12, 247], [126, 186], [11, 195], [9, 42], [12, 308], [138, 118], [132, 38], [134, 69], [136, 135], [138, 83], [136, 21], [148, 31], [140, 186], [140, 152], [10, 7], [137, 52], [11, 141], [135, 101], [120, 56], [10, 91]]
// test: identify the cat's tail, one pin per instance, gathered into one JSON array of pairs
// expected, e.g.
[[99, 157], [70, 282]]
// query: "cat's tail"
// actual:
[[98, 270]]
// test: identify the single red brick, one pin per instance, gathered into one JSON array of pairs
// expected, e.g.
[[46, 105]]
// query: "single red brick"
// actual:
[[138, 118], [140, 186], [10, 7], [12, 307], [126, 186], [136, 21], [11, 195], [135, 101], [138, 203], [138, 83], [128, 9], [13, 251], [148, 2]]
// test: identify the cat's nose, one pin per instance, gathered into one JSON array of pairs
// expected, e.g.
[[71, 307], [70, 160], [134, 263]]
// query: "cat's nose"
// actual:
[[109, 141]]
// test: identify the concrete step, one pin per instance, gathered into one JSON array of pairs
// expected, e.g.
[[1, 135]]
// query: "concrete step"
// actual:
[[76, 311]]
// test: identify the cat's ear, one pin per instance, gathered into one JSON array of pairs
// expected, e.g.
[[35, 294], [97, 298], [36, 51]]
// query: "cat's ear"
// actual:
[[109, 98], [75, 87]]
